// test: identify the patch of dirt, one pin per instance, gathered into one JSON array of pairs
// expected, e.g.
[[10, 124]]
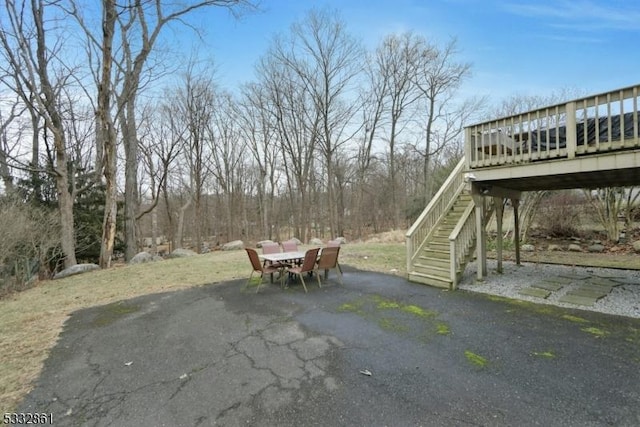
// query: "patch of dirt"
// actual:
[[595, 250], [586, 240]]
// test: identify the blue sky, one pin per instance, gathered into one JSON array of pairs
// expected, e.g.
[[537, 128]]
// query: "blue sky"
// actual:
[[515, 46]]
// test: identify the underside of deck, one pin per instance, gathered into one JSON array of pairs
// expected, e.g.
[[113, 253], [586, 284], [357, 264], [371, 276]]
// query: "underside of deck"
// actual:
[[615, 169]]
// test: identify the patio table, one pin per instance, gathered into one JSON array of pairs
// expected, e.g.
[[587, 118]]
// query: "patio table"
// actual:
[[283, 256]]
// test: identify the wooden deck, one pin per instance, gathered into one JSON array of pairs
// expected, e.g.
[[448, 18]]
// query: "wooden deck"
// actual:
[[590, 142]]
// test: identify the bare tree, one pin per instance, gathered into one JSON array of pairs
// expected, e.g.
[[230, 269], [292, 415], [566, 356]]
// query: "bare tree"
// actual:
[[397, 59], [609, 204], [39, 77], [140, 25], [297, 128], [159, 148], [372, 101], [260, 136], [8, 144], [327, 63], [195, 102], [438, 78], [227, 154]]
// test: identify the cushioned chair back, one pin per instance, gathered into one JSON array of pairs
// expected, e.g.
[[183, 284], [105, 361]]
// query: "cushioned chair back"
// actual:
[[270, 248], [255, 260], [328, 257], [310, 258], [289, 246]]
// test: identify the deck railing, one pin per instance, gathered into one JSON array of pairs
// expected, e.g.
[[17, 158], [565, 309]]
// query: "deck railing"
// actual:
[[585, 126], [436, 208]]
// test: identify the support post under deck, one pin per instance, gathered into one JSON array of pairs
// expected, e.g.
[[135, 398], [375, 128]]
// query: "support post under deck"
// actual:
[[499, 204], [481, 237], [516, 229]]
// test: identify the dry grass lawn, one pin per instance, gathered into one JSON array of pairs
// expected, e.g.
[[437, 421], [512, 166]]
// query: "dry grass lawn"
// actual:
[[31, 321]]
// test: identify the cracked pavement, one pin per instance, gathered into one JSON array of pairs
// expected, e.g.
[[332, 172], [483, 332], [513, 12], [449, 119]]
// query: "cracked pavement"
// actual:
[[220, 355]]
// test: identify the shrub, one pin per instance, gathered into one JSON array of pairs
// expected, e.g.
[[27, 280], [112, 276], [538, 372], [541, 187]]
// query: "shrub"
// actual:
[[30, 241], [559, 214]]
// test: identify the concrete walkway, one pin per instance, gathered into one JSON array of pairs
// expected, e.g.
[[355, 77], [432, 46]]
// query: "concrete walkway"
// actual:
[[378, 351], [588, 290]]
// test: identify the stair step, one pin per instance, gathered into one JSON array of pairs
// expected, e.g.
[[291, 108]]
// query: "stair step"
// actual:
[[436, 262], [435, 253], [427, 279], [432, 270], [438, 246]]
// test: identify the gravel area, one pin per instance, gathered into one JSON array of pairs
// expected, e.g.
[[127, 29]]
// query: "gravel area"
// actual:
[[623, 300]]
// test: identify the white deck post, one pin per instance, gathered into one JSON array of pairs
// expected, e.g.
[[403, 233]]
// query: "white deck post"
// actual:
[[467, 148], [499, 204], [516, 228], [572, 138], [481, 240]]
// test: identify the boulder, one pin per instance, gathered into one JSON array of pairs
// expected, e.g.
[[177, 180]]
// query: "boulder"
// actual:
[[575, 248], [295, 239], [528, 248], [552, 247], [262, 242], [76, 269], [316, 242], [342, 240], [636, 246], [597, 247], [181, 253], [142, 257], [233, 245]]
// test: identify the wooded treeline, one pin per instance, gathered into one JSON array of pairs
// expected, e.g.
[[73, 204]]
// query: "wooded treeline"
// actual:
[[125, 139]]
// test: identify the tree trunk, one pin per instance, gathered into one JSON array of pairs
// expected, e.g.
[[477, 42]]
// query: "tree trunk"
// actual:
[[170, 230], [198, 220], [154, 231], [65, 201], [106, 136], [111, 206], [180, 233], [131, 202], [35, 156]]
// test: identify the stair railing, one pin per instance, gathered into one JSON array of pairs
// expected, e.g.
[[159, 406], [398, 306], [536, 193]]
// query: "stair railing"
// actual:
[[437, 207], [460, 243], [462, 238]]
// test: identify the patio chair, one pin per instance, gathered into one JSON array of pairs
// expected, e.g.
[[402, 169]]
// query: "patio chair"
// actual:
[[262, 269], [290, 246], [333, 244], [308, 266], [272, 248], [329, 261]]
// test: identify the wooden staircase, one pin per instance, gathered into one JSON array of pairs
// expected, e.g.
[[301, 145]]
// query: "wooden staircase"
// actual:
[[433, 263], [442, 240]]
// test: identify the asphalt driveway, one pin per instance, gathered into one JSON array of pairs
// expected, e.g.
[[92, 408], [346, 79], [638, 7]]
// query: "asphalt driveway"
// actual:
[[378, 351]]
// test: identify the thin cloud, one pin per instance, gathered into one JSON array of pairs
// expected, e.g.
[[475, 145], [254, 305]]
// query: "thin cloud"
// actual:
[[574, 39], [586, 15]]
